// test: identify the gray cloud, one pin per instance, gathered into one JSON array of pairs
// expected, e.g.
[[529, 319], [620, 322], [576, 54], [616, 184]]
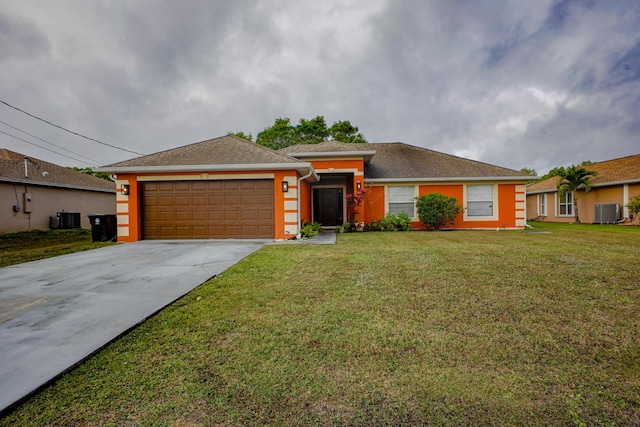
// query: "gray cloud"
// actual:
[[536, 84]]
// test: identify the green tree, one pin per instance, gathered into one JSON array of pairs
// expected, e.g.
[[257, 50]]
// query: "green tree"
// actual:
[[344, 131], [436, 210], [242, 135], [312, 131], [529, 171], [281, 134], [634, 206], [89, 171], [570, 179]]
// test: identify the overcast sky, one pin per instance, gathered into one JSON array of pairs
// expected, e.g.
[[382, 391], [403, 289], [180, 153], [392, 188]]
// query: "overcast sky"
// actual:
[[518, 84]]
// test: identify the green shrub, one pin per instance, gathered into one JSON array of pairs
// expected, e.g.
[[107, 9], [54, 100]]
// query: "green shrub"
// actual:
[[436, 210], [391, 222], [634, 206], [310, 229]]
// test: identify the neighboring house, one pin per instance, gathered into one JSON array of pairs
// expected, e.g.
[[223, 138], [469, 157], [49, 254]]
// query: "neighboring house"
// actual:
[[616, 182], [229, 187], [33, 192]]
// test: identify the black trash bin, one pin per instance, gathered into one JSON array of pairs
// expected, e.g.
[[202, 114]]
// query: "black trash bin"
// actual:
[[103, 227]]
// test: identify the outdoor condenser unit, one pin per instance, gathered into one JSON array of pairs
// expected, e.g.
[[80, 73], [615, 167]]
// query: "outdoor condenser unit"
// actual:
[[68, 219], [607, 213]]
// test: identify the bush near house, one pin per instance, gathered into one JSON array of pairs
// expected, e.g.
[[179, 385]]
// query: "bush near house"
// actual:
[[391, 222], [310, 229], [634, 206], [436, 210]]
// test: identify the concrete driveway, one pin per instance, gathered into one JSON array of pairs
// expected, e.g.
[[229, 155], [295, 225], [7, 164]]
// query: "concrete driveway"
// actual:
[[56, 312]]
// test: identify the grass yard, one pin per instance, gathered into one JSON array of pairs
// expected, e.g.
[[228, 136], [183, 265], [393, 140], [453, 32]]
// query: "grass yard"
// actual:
[[16, 248], [447, 328]]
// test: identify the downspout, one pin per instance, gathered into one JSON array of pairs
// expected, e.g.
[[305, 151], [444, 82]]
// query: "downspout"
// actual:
[[299, 236]]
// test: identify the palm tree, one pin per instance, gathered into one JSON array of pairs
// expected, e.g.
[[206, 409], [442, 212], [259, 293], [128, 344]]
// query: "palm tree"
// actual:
[[570, 179]]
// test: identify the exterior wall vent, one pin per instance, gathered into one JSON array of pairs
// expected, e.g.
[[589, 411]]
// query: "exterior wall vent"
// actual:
[[607, 213]]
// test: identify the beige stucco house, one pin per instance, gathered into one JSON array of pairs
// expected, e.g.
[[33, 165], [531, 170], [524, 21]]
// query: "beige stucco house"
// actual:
[[616, 182], [33, 192]]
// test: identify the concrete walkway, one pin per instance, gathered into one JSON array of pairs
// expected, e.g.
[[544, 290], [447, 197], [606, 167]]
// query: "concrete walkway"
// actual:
[[56, 312]]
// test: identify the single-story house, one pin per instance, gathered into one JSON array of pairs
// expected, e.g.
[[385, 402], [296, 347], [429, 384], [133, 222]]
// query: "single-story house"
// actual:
[[616, 182], [40, 195], [229, 187]]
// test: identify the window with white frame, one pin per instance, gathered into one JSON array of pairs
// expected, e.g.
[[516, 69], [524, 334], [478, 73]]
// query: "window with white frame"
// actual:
[[479, 200], [565, 205], [542, 204], [402, 199]]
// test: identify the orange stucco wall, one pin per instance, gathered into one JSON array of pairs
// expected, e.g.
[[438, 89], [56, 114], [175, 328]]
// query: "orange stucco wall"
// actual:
[[510, 212], [324, 166], [305, 202], [128, 208], [346, 166]]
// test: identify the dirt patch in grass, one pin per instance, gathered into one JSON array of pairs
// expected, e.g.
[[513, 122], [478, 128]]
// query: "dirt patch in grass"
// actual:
[[460, 328]]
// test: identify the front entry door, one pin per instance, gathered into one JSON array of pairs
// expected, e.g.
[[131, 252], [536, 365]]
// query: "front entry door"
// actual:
[[328, 206]]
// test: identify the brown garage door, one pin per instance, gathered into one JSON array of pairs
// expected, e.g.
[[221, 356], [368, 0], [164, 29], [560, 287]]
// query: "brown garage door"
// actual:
[[208, 209]]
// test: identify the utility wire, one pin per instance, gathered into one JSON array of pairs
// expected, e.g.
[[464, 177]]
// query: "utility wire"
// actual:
[[67, 130], [48, 142], [44, 148]]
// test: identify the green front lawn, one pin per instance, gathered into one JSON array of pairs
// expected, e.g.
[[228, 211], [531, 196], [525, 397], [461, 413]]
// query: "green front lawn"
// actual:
[[16, 248], [457, 328]]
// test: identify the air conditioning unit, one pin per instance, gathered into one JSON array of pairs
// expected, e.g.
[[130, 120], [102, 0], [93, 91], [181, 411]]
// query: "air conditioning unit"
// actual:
[[607, 213], [68, 219]]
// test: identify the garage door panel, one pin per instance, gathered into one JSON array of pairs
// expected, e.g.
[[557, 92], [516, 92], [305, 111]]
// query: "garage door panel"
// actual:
[[216, 215], [265, 216], [166, 201], [232, 200], [167, 216], [265, 199], [263, 184], [167, 232], [249, 215], [208, 209], [199, 215]]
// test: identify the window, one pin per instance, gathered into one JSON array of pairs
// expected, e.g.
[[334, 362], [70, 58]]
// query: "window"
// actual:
[[566, 204], [479, 200], [542, 204], [402, 199]]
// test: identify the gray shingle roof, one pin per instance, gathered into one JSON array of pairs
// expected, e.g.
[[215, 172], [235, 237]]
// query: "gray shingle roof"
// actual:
[[225, 150], [12, 169], [332, 146], [399, 160]]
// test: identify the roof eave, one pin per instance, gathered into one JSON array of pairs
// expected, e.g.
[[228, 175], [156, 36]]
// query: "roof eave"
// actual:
[[581, 187], [366, 155], [448, 178], [205, 168], [57, 185]]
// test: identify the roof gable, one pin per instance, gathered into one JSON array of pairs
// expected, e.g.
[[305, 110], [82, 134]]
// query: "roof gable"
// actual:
[[396, 160], [225, 150], [39, 172], [623, 169]]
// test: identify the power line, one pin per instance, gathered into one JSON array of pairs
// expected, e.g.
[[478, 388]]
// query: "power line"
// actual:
[[48, 142], [44, 148], [67, 130]]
